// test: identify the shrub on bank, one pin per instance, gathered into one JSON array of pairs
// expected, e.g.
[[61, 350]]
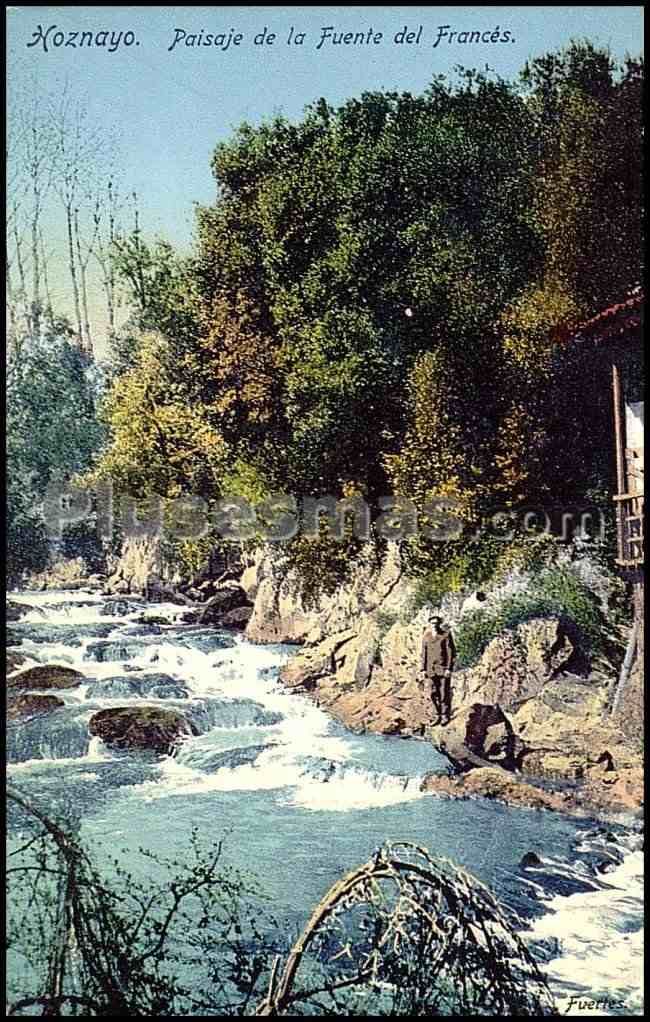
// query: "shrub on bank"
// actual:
[[451, 567], [557, 593]]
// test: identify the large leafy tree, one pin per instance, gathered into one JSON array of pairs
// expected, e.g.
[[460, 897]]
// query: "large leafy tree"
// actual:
[[327, 233], [53, 432], [587, 216], [374, 296]]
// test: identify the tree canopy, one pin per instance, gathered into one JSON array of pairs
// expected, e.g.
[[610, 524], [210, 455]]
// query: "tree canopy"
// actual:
[[373, 297]]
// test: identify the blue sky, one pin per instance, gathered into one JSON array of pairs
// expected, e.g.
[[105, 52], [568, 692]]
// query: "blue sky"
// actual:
[[172, 107]]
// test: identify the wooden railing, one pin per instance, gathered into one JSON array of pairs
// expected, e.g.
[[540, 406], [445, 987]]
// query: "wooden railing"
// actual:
[[630, 529]]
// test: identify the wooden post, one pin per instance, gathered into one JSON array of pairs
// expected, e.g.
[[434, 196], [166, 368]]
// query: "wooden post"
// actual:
[[619, 427]]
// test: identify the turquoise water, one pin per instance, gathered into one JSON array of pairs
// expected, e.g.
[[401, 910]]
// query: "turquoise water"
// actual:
[[297, 798]]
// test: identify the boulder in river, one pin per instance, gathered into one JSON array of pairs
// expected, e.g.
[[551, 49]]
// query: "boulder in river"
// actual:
[[17, 610], [237, 618], [30, 704], [46, 676], [14, 660], [117, 649], [134, 630], [207, 640], [206, 714], [530, 859], [63, 634], [155, 619], [497, 784], [229, 596], [142, 727], [118, 608], [153, 685]]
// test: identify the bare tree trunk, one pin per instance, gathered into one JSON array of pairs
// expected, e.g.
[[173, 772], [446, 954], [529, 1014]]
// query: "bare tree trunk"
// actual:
[[141, 285], [36, 264], [88, 344], [49, 308], [110, 294], [626, 668], [73, 272], [11, 303], [21, 277]]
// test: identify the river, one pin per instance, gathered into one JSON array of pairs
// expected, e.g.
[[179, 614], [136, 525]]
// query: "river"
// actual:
[[301, 799]]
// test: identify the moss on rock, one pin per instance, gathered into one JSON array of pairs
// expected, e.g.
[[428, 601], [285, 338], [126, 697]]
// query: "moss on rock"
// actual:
[[46, 676], [143, 727], [31, 705]]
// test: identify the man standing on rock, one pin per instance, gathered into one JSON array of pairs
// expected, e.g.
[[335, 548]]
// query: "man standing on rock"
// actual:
[[436, 664]]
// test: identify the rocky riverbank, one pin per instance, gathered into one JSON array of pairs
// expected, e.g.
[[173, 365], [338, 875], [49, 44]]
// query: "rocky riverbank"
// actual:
[[532, 720]]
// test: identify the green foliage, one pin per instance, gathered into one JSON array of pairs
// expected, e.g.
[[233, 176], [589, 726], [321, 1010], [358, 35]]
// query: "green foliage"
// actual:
[[322, 563], [81, 540], [162, 441], [496, 214], [454, 566], [556, 593], [27, 547], [526, 553], [160, 286], [52, 433]]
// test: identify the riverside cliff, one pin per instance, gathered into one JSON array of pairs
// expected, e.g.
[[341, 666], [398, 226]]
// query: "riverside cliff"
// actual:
[[532, 720]]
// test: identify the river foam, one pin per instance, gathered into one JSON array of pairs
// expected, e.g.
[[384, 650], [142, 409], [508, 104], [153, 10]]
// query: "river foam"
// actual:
[[312, 798]]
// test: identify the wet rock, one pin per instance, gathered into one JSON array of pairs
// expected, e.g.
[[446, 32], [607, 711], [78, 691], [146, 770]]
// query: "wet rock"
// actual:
[[493, 783], [61, 735], [140, 629], [113, 688], [146, 727], [530, 859], [15, 610], [113, 650], [206, 714], [162, 686], [237, 618], [204, 639], [67, 635], [228, 597], [210, 760], [14, 661], [157, 686], [119, 608], [31, 705], [155, 619], [46, 676]]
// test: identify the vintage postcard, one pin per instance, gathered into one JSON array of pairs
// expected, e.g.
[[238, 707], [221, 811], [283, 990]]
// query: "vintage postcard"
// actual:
[[325, 462]]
